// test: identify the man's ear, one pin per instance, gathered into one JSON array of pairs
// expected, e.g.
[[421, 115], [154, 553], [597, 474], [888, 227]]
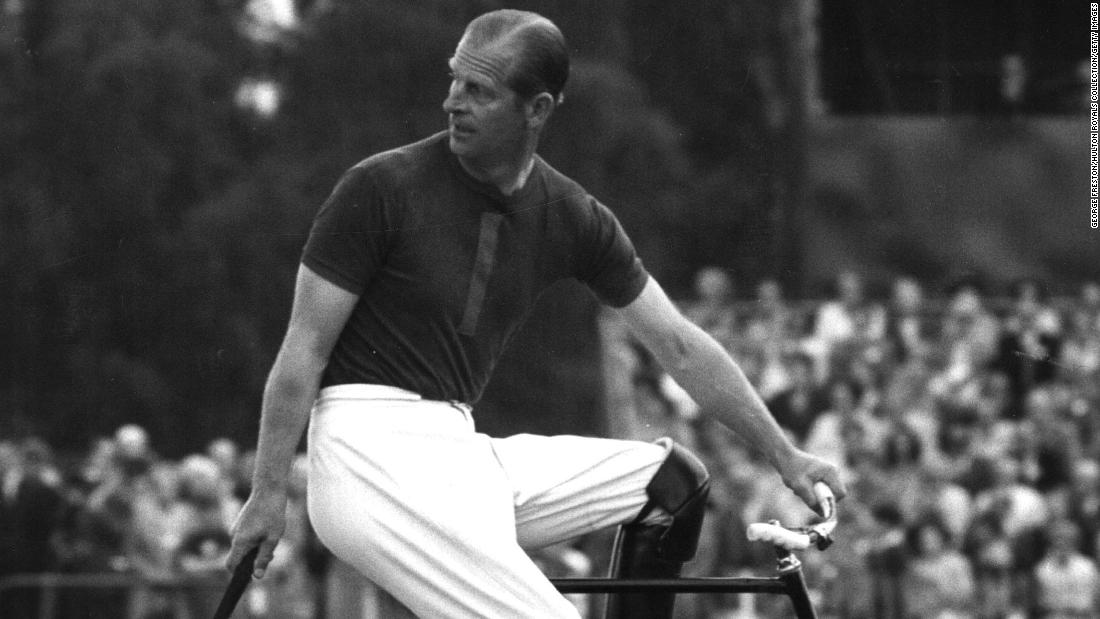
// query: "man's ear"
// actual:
[[539, 110]]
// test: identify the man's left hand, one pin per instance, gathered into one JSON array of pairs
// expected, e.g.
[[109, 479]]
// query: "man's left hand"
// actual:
[[801, 471]]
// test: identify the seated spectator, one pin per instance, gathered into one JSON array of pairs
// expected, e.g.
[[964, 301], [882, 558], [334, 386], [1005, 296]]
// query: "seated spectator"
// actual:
[[938, 583], [1067, 582]]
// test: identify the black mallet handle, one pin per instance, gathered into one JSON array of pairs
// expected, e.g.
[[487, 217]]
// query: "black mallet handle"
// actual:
[[237, 584]]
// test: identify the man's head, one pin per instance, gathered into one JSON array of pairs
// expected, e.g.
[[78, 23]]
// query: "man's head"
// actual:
[[536, 57], [508, 73]]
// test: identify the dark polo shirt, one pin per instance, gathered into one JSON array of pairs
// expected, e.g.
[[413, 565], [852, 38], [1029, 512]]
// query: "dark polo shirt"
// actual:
[[447, 268]]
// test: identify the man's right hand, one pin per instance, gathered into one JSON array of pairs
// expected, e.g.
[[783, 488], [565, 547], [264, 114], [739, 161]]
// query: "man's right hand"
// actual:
[[261, 523]]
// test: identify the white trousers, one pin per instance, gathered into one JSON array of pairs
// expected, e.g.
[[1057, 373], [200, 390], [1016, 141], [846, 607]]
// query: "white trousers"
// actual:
[[407, 491]]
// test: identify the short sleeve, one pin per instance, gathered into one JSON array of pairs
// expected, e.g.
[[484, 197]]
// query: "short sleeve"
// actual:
[[349, 240], [608, 263]]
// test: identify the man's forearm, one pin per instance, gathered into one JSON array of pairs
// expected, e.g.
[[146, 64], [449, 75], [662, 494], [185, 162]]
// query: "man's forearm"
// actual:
[[704, 369], [288, 398]]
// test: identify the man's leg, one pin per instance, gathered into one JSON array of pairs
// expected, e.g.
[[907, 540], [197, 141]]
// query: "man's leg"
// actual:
[[424, 510], [566, 486]]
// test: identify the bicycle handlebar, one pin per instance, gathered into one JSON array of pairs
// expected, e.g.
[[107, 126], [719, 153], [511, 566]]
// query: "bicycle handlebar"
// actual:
[[819, 535]]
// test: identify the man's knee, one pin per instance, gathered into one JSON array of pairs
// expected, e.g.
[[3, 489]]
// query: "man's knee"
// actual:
[[679, 488], [644, 549]]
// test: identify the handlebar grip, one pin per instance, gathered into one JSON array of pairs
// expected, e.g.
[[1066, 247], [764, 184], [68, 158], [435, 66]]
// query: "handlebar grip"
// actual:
[[819, 535], [778, 536]]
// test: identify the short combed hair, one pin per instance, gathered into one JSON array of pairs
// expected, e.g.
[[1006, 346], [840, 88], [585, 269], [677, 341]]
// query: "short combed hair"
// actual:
[[542, 63]]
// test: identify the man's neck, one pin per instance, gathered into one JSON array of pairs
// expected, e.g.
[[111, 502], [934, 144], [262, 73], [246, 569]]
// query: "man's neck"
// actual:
[[507, 176]]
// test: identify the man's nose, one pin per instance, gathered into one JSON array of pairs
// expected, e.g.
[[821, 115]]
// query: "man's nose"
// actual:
[[454, 102]]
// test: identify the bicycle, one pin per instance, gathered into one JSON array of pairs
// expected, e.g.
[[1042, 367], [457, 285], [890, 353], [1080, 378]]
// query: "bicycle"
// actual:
[[789, 579]]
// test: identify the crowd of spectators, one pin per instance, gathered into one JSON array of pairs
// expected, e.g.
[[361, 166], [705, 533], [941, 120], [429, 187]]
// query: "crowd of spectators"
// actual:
[[969, 435], [161, 523], [967, 427]]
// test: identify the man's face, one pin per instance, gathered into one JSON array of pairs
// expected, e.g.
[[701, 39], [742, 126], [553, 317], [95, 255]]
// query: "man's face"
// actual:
[[487, 119]]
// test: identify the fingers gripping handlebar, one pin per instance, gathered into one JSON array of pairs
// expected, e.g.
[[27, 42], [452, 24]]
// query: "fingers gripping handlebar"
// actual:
[[819, 535]]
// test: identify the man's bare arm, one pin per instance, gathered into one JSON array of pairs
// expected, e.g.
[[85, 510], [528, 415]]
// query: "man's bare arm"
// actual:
[[702, 367], [318, 316]]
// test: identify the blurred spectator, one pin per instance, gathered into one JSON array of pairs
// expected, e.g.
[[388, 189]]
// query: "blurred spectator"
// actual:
[[1030, 342], [938, 579], [969, 336], [906, 331], [886, 560], [712, 309], [225, 453], [947, 501], [844, 426], [845, 319], [132, 450], [1052, 438], [900, 477], [30, 504], [767, 335], [154, 535], [1079, 362], [973, 429], [1084, 503], [1089, 302], [1067, 582], [991, 555], [770, 319], [1021, 507], [797, 407], [209, 512]]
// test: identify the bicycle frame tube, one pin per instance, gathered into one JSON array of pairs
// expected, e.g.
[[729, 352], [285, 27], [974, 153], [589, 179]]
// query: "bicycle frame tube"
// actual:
[[790, 572], [789, 582], [678, 585]]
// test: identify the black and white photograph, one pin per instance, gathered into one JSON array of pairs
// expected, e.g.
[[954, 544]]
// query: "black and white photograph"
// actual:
[[549, 309]]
